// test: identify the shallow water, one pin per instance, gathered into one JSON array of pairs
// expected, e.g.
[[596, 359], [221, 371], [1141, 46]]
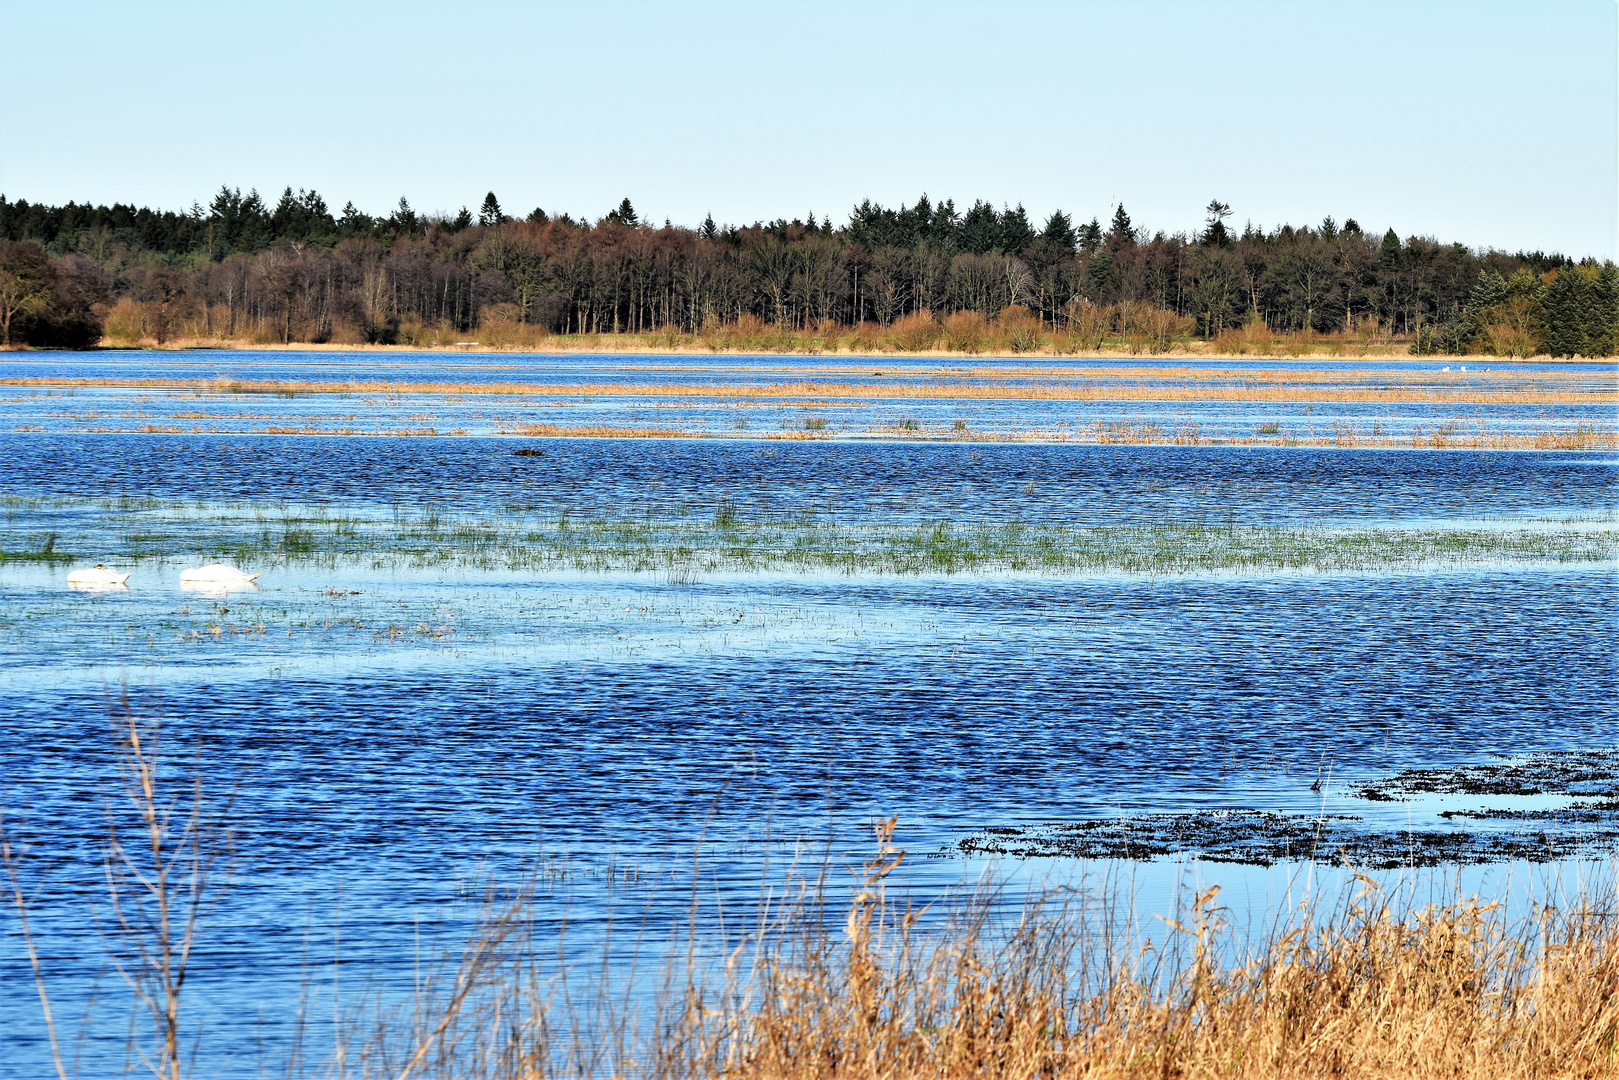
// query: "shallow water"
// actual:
[[887, 482], [396, 733], [1457, 416]]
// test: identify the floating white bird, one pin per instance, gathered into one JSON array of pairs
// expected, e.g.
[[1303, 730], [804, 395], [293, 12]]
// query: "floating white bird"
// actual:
[[1445, 368], [216, 575], [97, 577]]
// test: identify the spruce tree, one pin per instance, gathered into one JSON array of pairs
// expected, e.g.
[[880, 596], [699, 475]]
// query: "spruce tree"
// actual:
[[1090, 236], [1389, 254], [1016, 232], [709, 229], [489, 214], [980, 231], [1570, 319], [1214, 230], [1121, 231], [1059, 230], [1605, 295], [404, 219]]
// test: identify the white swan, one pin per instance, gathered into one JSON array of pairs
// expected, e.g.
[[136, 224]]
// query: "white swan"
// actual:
[[97, 577], [216, 576]]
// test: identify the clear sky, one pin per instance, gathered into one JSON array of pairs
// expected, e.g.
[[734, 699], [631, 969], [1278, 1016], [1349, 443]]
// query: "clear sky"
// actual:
[[1496, 124]]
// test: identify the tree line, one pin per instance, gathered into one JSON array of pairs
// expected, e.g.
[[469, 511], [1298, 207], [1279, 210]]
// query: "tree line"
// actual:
[[294, 271]]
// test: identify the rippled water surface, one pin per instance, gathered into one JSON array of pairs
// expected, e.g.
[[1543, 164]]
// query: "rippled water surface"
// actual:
[[397, 730], [1246, 399]]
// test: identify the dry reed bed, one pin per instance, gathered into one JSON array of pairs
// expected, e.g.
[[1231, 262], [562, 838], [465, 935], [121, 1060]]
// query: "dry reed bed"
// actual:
[[1583, 437], [1350, 373], [1100, 433], [1258, 391], [871, 342], [1372, 985]]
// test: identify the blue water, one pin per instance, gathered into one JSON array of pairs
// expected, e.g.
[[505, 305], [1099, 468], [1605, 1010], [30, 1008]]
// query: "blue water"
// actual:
[[389, 736], [886, 482], [1292, 415]]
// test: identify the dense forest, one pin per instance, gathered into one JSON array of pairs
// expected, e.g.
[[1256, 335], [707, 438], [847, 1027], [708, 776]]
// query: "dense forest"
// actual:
[[242, 269]]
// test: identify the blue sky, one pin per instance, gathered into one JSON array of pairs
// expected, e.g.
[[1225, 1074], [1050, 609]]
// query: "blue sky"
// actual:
[[1493, 124]]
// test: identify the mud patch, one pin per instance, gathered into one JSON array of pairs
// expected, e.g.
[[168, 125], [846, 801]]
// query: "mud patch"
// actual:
[[1584, 774], [1259, 838], [1583, 823]]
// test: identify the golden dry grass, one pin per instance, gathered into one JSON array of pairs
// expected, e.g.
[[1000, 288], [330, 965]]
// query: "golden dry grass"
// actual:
[[1098, 386], [598, 431], [1122, 433], [916, 335], [1374, 986], [1368, 992]]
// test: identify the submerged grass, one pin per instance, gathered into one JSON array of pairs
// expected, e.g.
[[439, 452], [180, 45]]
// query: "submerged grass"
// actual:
[[733, 541], [45, 553]]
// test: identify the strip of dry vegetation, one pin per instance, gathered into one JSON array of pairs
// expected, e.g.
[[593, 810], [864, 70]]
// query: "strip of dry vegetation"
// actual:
[[1115, 330], [1375, 985], [1445, 436], [1282, 346], [1088, 386], [1372, 988]]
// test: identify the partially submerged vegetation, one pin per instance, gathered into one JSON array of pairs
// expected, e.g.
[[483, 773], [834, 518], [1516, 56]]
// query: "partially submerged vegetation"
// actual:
[[1051, 384], [1236, 406], [731, 541], [45, 552]]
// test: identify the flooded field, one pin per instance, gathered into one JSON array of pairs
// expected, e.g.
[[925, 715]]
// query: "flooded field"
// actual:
[[1425, 404], [648, 674]]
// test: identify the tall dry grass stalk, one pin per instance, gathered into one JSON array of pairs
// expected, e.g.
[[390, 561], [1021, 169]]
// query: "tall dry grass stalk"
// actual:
[[1376, 985], [164, 847], [10, 855], [165, 855]]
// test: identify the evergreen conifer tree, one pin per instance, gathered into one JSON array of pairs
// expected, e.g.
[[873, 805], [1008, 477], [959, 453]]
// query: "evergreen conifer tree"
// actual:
[[980, 231], [1016, 232], [489, 214], [1572, 323], [1090, 236], [709, 229], [1214, 230], [1605, 294], [1059, 231], [1389, 253], [404, 219], [1121, 231]]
